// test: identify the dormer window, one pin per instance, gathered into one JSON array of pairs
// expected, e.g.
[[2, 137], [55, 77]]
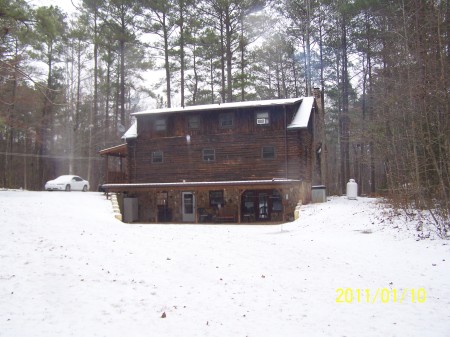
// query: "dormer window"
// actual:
[[194, 122], [160, 124], [262, 118], [226, 120]]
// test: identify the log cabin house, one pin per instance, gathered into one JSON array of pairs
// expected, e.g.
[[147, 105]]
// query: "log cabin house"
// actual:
[[240, 162]]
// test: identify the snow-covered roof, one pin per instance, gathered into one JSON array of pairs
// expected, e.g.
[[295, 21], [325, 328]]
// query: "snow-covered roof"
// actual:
[[222, 106], [303, 114], [118, 151], [131, 132], [300, 119]]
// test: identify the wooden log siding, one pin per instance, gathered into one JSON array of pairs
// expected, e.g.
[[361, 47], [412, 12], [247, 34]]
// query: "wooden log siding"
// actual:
[[238, 150]]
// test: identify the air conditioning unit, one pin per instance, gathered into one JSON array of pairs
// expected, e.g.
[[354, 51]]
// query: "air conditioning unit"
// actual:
[[261, 121], [130, 210]]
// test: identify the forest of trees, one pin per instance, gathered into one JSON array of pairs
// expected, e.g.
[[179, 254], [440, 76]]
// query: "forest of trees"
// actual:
[[69, 82]]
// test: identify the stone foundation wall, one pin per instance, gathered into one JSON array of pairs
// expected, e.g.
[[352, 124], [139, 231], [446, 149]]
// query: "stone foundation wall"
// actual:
[[291, 195]]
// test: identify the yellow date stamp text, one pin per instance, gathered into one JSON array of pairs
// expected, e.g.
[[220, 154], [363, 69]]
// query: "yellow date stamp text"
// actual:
[[380, 295]]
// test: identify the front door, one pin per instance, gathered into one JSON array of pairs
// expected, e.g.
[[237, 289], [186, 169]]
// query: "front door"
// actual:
[[188, 206]]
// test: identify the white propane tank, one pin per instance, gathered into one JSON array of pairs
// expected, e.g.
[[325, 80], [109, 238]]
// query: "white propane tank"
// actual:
[[352, 189]]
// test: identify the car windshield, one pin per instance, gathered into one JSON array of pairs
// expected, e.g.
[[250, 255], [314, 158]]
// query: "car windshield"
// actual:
[[63, 178]]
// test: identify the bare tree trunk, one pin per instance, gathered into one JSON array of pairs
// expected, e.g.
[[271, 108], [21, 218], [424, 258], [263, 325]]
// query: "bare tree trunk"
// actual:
[[96, 100], [211, 76], [182, 53], [122, 82], [222, 57], [46, 121], [229, 55], [242, 48], [10, 130], [308, 49], [344, 119], [294, 73], [324, 150], [277, 77], [166, 61], [107, 101], [196, 79]]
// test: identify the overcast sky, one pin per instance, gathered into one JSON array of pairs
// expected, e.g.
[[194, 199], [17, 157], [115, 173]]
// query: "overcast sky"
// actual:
[[65, 5]]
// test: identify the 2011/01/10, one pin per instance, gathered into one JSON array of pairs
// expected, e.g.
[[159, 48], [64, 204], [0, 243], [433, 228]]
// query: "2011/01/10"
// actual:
[[384, 295]]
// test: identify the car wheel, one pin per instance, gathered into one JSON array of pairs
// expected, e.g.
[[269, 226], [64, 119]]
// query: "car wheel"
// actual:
[[84, 188], [67, 188]]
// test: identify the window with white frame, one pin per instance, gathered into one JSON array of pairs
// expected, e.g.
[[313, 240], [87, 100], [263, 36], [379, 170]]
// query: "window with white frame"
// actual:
[[209, 155], [262, 118], [226, 120], [157, 157]]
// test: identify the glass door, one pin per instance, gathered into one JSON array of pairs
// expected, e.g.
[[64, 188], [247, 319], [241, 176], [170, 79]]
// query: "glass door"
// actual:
[[188, 206], [263, 206]]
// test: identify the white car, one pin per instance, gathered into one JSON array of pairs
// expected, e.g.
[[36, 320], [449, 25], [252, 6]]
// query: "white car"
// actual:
[[67, 183]]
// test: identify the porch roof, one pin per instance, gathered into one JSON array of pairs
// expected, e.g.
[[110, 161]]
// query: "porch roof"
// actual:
[[115, 151], [198, 184]]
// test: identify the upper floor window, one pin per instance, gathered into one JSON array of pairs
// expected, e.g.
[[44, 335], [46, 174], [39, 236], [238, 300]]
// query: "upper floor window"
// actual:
[[194, 122], [226, 120], [157, 157], [262, 118], [161, 124], [268, 152], [209, 154]]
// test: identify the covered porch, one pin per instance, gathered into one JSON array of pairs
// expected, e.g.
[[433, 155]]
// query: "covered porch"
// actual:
[[116, 168], [256, 201]]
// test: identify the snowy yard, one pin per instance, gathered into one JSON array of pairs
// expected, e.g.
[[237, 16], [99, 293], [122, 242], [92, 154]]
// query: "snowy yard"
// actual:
[[69, 268]]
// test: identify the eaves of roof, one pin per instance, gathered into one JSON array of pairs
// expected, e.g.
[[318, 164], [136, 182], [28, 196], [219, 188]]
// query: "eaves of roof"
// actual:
[[197, 184], [220, 106]]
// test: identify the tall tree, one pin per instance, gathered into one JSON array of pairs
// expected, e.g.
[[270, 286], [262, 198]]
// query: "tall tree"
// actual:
[[226, 16], [122, 16], [182, 11], [416, 137], [300, 13], [92, 8], [77, 60], [205, 61], [160, 20], [344, 122], [14, 22], [48, 43]]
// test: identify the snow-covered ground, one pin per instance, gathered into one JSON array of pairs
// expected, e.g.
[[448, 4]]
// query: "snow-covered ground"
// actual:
[[69, 268]]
